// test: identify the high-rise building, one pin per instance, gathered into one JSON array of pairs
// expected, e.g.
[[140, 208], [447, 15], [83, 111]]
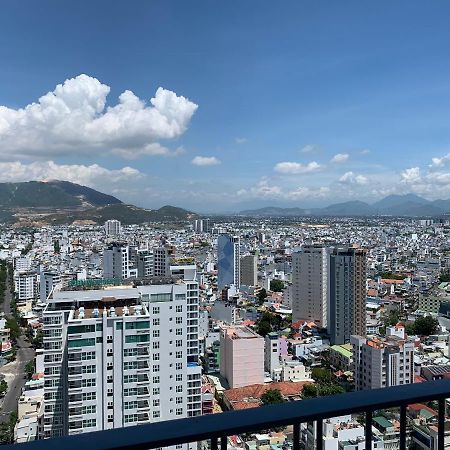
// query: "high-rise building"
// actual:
[[202, 226], [144, 262], [48, 281], [116, 263], [382, 362], [249, 270], [112, 227], [161, 262], [22, 263], [347, 305], [26, 285], [121, 356], [241, 356], [310, 284], [228, 261], [271, 353]]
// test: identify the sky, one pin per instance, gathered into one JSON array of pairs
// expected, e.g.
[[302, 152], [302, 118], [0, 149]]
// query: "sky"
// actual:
[[223, 106]]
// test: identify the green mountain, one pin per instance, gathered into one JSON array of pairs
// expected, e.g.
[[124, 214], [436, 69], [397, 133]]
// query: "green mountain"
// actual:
[[62, 202]]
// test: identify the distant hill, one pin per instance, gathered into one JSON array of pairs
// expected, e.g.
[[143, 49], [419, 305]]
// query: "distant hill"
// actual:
[[408, 205], [84, 193], [61, 202]]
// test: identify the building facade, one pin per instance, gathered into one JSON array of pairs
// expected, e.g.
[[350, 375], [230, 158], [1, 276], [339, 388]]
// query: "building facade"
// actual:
[[347, 304], [248, 270], [228, 261], [310, 284]]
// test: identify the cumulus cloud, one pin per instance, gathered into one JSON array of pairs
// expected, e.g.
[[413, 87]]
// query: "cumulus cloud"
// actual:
[[205, 161], [296, 168], [340, 157], [73, 118], [411, 175], [351, 178], [439, 162], [93, 175]]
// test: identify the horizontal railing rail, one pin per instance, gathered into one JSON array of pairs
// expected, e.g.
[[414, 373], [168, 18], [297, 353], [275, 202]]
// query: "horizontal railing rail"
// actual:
[[217, 427]]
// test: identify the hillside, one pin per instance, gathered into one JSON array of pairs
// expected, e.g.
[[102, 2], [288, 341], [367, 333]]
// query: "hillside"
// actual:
[[62, 202]]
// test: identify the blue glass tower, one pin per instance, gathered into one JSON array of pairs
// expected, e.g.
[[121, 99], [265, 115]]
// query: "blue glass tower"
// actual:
[[227, 261]]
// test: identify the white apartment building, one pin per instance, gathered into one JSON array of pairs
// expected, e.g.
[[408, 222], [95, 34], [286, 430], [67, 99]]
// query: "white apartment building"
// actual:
[[112, 228], [310, 284], [121, 356], [271, 353], [116, 262], [48, 281], [26, 285], [382, 362], [22, 263], [249, 271]]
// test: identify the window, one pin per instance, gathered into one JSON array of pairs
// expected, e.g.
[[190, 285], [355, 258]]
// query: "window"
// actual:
[[156, 321], [161, 297], [119, 325], [156, 402], [156, 310], [135, 339], [89, 382], [179, 343], [156, 345], [137, 325], [180, 297], [78, 329], [179, 411], [179, 389], [89, 396], [179, 308], [156, 333], [156, 380], [89, 423], [155, 356], [88, 369], [179, 320], [156, 368], [178, 354], [179, 332], [179, 377], [178, 400], [179, 366], [80, 343], [89, 409], [156, 391], [156, 414]]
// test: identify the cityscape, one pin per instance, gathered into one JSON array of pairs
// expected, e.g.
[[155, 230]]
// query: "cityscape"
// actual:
[[224, 225]]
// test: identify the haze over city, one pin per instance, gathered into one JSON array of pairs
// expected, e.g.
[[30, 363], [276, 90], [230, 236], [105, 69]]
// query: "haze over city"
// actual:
[[222, 107]]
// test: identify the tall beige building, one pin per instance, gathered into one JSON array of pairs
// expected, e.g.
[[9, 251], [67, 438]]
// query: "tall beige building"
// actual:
[[348, 292], [249, 271], [310, 284], [241, 356]]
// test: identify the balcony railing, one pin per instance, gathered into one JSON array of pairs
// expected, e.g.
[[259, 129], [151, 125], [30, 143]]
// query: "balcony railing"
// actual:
[[216, 427]]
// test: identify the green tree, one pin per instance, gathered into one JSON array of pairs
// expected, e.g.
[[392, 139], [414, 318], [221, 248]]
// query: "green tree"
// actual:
[[322, 375], [3, 387], [276, 285], [262, 294], [271, 397], [14, 329], [263, 327], [29, 369], [424, 326]]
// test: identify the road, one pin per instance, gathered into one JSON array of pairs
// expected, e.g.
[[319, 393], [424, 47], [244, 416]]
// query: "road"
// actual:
[[14, 372]]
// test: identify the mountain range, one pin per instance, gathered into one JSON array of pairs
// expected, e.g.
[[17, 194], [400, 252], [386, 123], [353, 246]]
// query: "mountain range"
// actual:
[[407, 205], [63, 202]]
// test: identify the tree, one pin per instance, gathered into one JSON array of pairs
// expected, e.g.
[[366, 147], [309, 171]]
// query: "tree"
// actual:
[[321, 390], [14, 329], [3, 387], [321, 375], [271, 397], [262, 294], [29, 369], [424, 326], [263, 327], [276, 285]]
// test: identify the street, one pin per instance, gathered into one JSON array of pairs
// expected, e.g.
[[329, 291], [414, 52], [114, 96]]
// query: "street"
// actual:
[[14, 372]]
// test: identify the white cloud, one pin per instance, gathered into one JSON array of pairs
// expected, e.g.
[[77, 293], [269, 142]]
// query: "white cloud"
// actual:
[[73, 119], [205, 161], [340, 157], [411, 175], [365, 151], [351, 178], [310, 148], [296, 168], [439, 162], [93, 175], [241, 140]]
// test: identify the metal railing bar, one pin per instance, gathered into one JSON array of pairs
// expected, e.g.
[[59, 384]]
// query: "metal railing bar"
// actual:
[[319, 435], [223, 443], [200, 428], [441, 423], [296, 436], [368, 430], [214, 443], [403, 427]]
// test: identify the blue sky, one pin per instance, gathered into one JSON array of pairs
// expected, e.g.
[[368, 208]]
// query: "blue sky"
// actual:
[[293, 103]]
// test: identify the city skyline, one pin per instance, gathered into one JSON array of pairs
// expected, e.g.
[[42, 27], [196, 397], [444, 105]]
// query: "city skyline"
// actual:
[[221, 109]]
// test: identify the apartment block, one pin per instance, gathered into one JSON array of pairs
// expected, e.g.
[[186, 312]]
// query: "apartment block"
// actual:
[[248, 270]]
